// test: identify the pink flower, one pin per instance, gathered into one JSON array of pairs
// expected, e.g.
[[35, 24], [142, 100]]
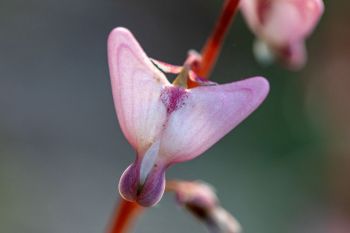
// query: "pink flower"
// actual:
[[282, 27], [166, 123]]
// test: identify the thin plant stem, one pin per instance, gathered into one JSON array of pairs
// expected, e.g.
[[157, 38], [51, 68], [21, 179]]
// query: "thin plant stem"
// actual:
[[214, 43], [125, 215]]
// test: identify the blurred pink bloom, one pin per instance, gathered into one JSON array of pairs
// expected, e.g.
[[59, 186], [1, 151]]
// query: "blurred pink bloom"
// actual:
[[282, 27], [201, 201], [166, 123]]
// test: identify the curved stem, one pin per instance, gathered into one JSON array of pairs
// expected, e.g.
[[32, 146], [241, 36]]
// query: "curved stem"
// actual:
[[125, 215], [213, 45]]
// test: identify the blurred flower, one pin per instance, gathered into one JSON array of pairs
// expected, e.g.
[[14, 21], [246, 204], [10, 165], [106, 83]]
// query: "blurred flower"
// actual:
[[201, 201], [168, 123], [282, 27]]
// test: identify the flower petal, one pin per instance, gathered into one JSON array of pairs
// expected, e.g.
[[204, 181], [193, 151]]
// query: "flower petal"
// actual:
[[147, 193], [207, 114], [282, 22], [136, 87]]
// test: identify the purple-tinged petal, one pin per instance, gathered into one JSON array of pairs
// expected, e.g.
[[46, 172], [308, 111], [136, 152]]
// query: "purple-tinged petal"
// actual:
[[136, 87], [203, 115], [145, 192]]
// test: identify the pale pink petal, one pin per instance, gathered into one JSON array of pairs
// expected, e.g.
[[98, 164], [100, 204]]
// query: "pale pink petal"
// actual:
[[288, 21], [205, 114], [281, 22], [136, 87], [311, 11]]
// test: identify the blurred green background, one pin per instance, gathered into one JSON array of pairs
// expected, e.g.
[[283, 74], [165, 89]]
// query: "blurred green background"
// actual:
[[285, 169]]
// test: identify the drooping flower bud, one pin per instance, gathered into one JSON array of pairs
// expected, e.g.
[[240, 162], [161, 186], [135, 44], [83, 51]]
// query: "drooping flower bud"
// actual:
[[201, 201], [281, 27]]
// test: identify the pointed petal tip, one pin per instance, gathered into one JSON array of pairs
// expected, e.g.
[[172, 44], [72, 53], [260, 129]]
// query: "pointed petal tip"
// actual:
[[259, 81], [259, 85], [119, 31], [116, 34]]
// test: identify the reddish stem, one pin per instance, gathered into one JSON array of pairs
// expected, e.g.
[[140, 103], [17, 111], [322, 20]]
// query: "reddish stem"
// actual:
[[213, 45], [124, 216]]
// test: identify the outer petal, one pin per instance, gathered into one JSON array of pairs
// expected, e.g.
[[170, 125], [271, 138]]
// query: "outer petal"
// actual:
[[311, 11], [283, 24], [136, 87], [289, 21], [207, 114]]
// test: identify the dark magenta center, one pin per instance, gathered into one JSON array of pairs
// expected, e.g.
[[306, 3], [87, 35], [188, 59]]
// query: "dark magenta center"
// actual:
[[173, 98]]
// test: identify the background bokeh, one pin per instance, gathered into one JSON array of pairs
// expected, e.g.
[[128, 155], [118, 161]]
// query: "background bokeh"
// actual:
[[285, 169]]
